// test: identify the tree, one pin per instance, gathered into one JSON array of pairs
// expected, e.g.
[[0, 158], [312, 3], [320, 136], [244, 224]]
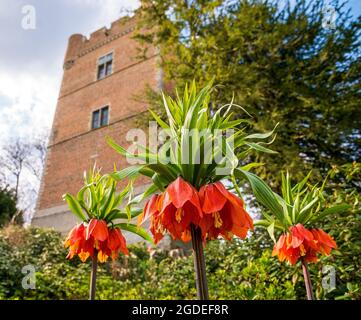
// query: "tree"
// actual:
[[7, 205], [14, 159], [283, 64], [36, 160], [21, 165]]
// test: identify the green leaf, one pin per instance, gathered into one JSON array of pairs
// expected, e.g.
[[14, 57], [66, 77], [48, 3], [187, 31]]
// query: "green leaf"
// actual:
[[262, 135], [128, 212], [259, 147], [286, 188], [335, 209], [121, 196], [164, 170], [263, 223], [74, 206], [251, 165], [271, 231], [308, 207], [159, 120], [232, 124], [142, 157], [295, 208], [301, 184], [129, 172], [136, 230], [139, 198], [119, 214], [263, 193]]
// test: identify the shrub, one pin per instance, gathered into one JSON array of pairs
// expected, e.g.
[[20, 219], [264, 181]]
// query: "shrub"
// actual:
[[237, 270]]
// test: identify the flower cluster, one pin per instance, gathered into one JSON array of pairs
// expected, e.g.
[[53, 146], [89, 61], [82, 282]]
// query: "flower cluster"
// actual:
[[215, 210], [303, 243], [95, 238]]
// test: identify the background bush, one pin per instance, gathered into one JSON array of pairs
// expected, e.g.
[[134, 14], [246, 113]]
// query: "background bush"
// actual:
[[237, 270]]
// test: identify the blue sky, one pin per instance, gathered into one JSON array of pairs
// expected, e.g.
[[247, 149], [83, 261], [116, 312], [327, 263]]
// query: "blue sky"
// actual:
[[355, 5], [31, 60]]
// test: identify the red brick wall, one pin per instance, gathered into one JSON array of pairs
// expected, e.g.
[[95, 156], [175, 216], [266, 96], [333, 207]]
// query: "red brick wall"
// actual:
[[73, 144]]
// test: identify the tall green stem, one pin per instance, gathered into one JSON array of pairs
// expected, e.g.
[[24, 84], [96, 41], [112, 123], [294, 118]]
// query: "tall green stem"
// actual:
[[308, 284], [199, 263], [93, 276]]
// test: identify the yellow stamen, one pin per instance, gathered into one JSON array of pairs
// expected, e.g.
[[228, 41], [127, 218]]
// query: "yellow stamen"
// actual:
[[159, 229], [102, 257], [67, 243], [83, 256], [217, 220], [178, 215], [96, 244], [302, 249]]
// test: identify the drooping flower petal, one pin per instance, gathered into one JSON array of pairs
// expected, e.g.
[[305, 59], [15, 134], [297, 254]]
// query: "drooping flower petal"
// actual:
[[178, 207], [213, 200], [75, 235], [95, 238], [97, 229], [151, 207], [302, 243], [116, 242], [224, 213], [179, 192]]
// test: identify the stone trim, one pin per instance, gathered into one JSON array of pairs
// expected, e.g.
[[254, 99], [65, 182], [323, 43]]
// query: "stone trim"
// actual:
[[127, 117], [104, 42], [107, 77], [51, 211]]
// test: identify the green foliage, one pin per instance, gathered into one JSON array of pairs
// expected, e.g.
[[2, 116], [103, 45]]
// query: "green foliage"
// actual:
[[236, 270], [203, 146], [300, 203], [281, 64], [7, 205], [345, 228], [98, 199]]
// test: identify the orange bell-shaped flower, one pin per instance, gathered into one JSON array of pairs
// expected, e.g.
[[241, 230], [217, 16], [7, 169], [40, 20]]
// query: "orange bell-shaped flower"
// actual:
[[303, 243], [116, 242], [179, 208], [78, 245], [83, 241], [174, 211], [224, 213]]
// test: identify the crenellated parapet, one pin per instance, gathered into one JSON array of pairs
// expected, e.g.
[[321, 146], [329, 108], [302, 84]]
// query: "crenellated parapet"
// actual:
[[79, 45]]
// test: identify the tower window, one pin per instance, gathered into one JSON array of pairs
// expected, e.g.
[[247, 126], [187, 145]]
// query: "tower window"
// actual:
[[100, 117], [105, 65]]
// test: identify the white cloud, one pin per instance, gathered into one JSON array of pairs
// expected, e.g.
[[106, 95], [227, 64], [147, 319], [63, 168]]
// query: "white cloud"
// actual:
[[27, 104]]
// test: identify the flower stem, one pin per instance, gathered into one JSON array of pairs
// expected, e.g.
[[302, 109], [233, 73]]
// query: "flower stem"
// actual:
[[308, 284], [199, 263], [93, 276]]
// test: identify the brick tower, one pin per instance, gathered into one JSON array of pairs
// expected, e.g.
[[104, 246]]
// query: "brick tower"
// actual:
[[102, 77]]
